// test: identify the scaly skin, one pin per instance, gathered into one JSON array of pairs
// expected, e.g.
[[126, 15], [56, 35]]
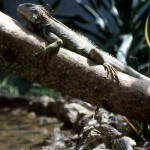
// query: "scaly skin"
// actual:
[[57, 34]]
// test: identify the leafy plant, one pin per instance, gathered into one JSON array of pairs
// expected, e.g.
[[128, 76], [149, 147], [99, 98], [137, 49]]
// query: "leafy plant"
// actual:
[[4, 88], [38, 90]]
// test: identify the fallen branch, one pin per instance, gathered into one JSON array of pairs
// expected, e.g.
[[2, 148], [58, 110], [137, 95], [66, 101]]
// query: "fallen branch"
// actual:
[[71, 73]]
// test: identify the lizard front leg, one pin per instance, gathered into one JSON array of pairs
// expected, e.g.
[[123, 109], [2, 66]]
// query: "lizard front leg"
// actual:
[[98, 58], [55, 44]]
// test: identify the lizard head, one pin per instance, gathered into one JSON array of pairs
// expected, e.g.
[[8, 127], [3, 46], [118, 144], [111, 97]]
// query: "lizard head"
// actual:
[[32, 12]]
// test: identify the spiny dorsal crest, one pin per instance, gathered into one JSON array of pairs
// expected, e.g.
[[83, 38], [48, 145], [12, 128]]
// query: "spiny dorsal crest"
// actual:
[[43, 11]]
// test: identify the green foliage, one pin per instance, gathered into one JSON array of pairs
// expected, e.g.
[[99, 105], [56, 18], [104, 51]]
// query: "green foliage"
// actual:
[[5, 88], [37, 90], [18, 86]]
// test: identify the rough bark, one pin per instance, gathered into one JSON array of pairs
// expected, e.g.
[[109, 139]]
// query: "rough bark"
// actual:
[[71, 73]]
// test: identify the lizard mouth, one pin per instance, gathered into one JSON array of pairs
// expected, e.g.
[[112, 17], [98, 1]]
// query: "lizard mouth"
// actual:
[[21, 15]]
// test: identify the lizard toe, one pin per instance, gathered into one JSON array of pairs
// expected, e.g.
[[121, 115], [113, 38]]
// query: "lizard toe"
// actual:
[[110, 70]]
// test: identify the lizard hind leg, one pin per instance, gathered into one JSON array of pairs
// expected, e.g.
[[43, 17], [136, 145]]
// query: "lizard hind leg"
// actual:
[[97, 56]]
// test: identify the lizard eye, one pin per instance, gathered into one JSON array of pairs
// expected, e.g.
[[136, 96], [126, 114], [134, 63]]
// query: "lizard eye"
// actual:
[[28, 5]]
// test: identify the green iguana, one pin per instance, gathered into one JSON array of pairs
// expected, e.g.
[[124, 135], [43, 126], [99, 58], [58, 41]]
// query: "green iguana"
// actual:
[[57, 34]]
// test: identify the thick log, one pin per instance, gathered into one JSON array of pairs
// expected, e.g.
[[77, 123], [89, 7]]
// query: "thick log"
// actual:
[[71, 73]]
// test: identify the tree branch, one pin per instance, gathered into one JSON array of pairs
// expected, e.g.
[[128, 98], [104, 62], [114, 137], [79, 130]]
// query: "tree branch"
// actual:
[[71, 73]]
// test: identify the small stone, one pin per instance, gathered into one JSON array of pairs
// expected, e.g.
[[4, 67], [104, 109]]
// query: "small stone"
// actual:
[[32, 115]]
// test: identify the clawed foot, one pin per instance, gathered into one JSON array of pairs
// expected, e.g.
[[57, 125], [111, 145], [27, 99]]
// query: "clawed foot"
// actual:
[[111, 70], [42, 56]]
